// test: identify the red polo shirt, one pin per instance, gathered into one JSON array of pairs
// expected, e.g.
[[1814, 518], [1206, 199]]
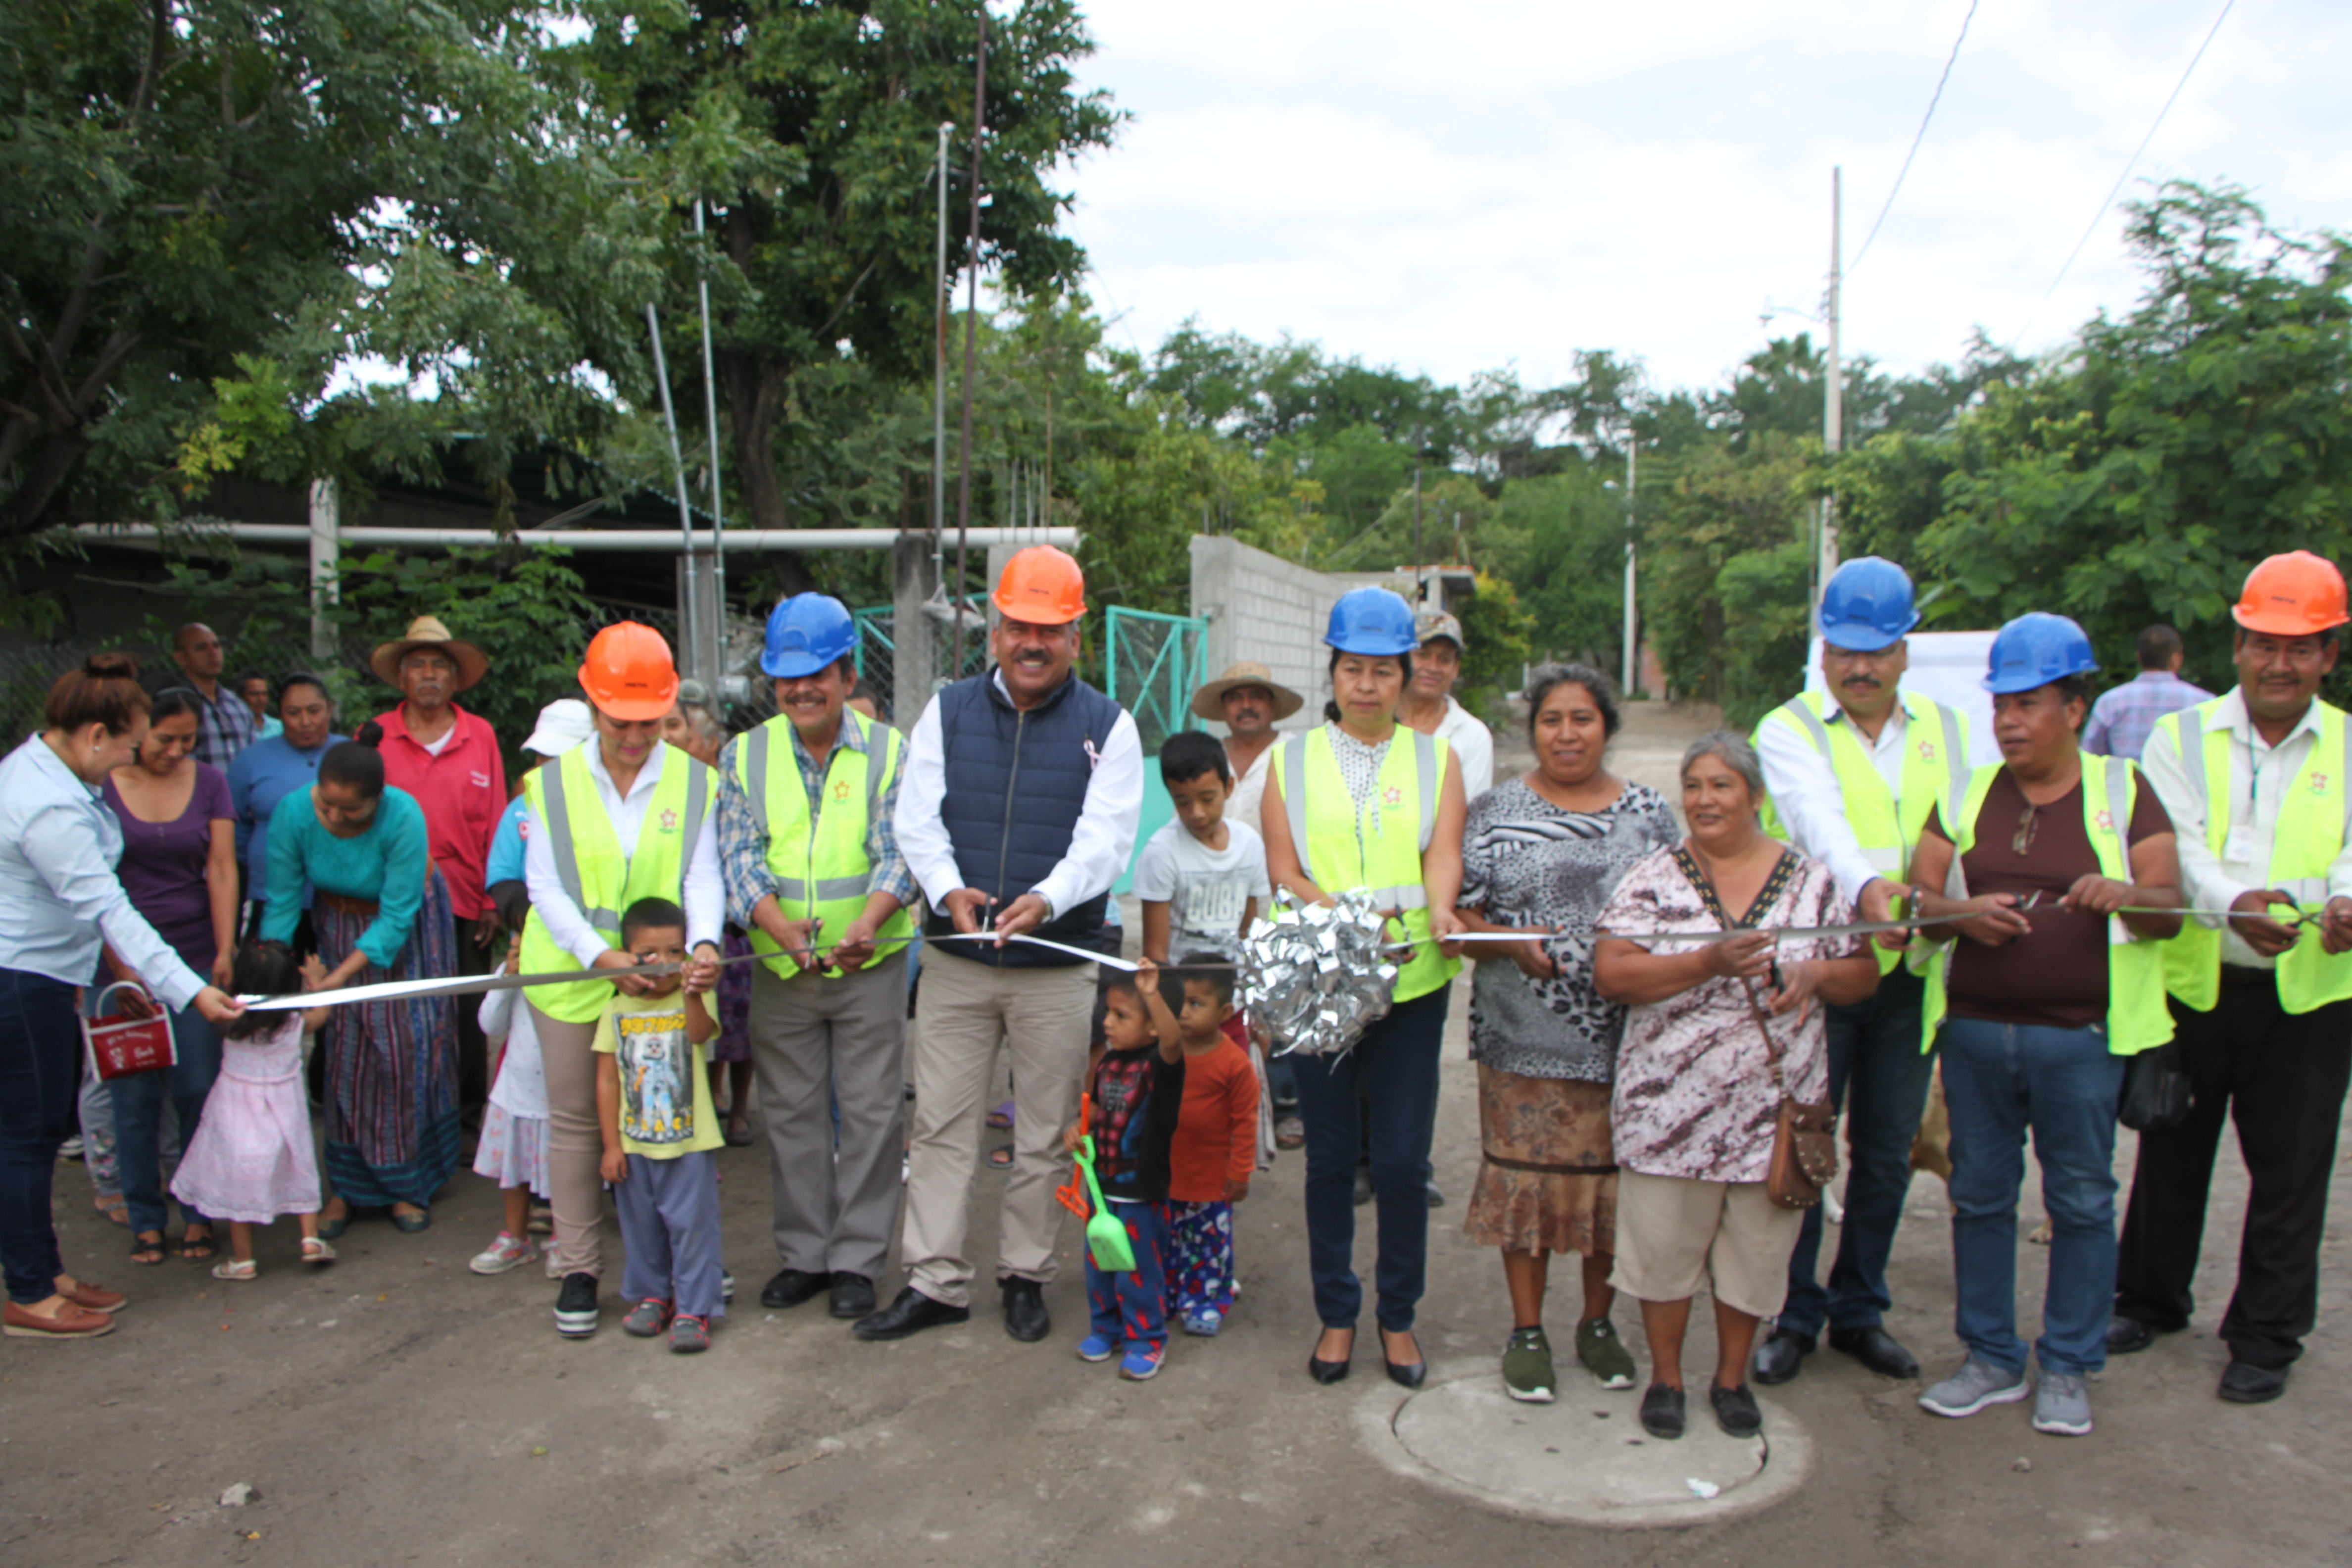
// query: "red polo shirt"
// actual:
[[463, 791]]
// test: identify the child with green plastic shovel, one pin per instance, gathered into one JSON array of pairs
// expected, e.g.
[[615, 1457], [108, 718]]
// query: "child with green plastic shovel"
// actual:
[[1126, 1124]]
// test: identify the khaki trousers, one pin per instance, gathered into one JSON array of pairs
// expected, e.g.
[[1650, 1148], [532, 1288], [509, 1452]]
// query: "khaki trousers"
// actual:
[[576, 1145], [965, 1009], [819, 1041]]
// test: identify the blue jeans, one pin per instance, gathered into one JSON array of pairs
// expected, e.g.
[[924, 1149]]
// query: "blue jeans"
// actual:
[[40, 1074], [138, 1110], [2000, 1079], [1880, 1074], [1397, 1062]]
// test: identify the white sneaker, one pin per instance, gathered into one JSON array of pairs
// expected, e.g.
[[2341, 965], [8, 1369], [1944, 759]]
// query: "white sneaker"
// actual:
[[509, 1251]]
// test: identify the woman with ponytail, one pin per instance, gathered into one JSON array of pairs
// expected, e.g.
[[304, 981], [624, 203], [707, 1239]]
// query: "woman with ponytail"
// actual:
[[60, 902], [380, 912]]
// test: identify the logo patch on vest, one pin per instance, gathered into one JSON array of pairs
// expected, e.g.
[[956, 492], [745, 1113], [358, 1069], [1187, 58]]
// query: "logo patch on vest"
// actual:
[[2105, 822], [668, 820], [1392, 795], [841, 789], [1927, 751], [2318, 784]]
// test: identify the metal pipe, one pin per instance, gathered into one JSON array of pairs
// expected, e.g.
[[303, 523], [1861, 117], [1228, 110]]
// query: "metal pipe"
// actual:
[[693, 644], [971, 333], [640, 541], [940, 366], [717, 517], [325, 534]]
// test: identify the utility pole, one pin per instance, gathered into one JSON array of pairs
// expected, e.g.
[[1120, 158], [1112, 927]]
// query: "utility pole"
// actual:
[[970, 333], [1632, 622], [940, 363], [1419, 592], [717, 669], [1833, 399]]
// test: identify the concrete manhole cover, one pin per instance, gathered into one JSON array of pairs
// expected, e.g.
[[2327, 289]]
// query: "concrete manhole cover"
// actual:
[[1586, 1459]]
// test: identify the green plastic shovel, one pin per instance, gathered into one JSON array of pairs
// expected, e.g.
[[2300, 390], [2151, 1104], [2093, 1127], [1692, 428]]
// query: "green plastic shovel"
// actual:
[[1106, 1238]]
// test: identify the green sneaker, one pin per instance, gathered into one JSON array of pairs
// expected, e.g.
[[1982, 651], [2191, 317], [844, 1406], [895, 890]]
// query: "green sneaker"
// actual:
[[1605, 1355], [1526, 1367]]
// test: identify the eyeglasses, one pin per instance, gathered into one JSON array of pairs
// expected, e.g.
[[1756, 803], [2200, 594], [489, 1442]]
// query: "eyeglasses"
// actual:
[[2030, 819]]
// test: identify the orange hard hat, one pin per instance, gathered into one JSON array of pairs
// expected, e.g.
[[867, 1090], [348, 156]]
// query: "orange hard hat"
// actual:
[[1041, 586], [2292, 595], [628, 673]]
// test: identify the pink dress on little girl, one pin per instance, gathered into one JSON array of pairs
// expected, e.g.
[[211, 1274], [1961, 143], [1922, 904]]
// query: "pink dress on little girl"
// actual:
[[252, 1159]]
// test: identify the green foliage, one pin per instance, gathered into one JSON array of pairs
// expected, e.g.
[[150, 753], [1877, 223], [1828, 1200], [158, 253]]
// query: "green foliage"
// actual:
[[2138, 476], [1496, 628]]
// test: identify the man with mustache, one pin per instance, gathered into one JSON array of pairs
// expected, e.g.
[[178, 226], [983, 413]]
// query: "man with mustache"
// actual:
[[1251, 704], [1853, 773], [815, 876], [1022, 791], [2255, 784], [449, 760]]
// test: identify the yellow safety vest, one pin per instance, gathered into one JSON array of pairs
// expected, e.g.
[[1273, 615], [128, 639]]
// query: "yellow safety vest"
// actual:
[[2137, 1019], [1378, 847], [820, 868], [1935, 763], [2309, 836], [604, 881]]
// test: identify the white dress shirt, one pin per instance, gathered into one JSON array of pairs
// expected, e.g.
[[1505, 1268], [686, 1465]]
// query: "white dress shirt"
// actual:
[[1249, 789], [1100, 844], [1473, 743], [58, 893], [1805, 791], [705, 899], [2258, 776]]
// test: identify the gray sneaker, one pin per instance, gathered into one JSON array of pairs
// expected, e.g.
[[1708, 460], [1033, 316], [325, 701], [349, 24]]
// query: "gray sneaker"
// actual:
[[1977, 1384], [2061, 1405]]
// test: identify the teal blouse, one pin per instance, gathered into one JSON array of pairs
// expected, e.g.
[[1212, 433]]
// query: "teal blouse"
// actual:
[[387, 864]]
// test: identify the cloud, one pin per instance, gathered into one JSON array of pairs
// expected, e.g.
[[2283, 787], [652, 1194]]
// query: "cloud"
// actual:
[[1455, 188]]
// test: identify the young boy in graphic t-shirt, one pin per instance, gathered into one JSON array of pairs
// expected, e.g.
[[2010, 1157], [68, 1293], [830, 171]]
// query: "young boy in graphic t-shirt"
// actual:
[[653, 1102]]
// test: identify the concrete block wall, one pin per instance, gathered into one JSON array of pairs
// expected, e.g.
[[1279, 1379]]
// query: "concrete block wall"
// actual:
[[1262, 607]]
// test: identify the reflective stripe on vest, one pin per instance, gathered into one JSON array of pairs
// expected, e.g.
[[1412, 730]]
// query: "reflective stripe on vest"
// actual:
[[1341, 846], [598, 878], [2314, 820], [2138, 1018], [820, 869], [1885, 827]]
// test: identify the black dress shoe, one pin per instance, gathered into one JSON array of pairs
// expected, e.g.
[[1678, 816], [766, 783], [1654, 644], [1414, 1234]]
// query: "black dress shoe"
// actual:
[[1876, 1349], [1734, 1410], [852, 1296], [1405, 1373], [910, 1313], [2244, 1383], [2127, 1336], [1026, 1318], [791, 1286], [1331, 1370], [1780, 1355]]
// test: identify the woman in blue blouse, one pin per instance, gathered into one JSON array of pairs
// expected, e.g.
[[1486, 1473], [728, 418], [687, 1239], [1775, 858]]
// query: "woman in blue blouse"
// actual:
[[58, 901], [274, 767], [380, 912]]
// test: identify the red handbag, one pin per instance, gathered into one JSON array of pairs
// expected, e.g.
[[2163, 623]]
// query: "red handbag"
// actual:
[[121, 1044]]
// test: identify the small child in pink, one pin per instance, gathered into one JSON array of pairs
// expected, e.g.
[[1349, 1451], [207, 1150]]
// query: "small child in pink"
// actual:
[[251, 1158]]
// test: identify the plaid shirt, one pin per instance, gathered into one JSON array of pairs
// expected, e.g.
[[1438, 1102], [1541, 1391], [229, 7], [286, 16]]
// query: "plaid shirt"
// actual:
[[743, 843], [225, 726], [2122, 719]]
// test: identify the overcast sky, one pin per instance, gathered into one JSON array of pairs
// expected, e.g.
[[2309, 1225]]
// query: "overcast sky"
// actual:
[[1455, 187]]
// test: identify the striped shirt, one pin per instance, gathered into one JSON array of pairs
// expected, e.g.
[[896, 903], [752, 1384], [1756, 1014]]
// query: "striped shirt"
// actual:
[[2122, 719]]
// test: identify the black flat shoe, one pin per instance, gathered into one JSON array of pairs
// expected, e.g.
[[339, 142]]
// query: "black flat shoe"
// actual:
[[1026, 1318], [1405, 1373], [2242, 1383], [1876, 1349], [1734, 1411], [1662, 1412], [2128, 1336], [791, 1286], [1781, 1357], [910, 1313], [1331, 1371]]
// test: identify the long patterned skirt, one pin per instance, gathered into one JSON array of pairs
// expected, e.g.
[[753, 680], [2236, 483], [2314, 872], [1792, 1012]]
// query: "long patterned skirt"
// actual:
[[1549, 1179], [393, 1133]]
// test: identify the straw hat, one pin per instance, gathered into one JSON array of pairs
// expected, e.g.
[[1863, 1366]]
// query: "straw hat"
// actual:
[[1209, 702], [427, 631]]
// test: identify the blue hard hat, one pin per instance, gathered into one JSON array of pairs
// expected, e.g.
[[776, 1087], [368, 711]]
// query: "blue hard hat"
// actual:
[[2036, 649], [1866, 605], [1371, 621], [805, 632]]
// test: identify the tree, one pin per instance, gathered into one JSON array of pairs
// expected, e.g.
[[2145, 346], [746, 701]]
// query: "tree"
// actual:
[[2139, 476], [211, 203], [811, 126]]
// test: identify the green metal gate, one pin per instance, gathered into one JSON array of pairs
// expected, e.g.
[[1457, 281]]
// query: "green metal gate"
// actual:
[[1152, 663]]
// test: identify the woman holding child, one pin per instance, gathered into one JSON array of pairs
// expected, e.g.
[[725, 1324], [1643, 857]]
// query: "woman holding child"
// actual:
[[619, 818], [1362, 804], [1545, 851]]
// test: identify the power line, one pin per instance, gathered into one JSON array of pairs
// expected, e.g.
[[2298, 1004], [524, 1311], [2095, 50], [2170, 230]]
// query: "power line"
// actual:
[[1934, 99], [2117, 190]]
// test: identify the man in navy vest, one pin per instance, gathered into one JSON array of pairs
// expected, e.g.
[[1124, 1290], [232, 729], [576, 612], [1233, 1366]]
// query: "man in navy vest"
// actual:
[[1016, 812]]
